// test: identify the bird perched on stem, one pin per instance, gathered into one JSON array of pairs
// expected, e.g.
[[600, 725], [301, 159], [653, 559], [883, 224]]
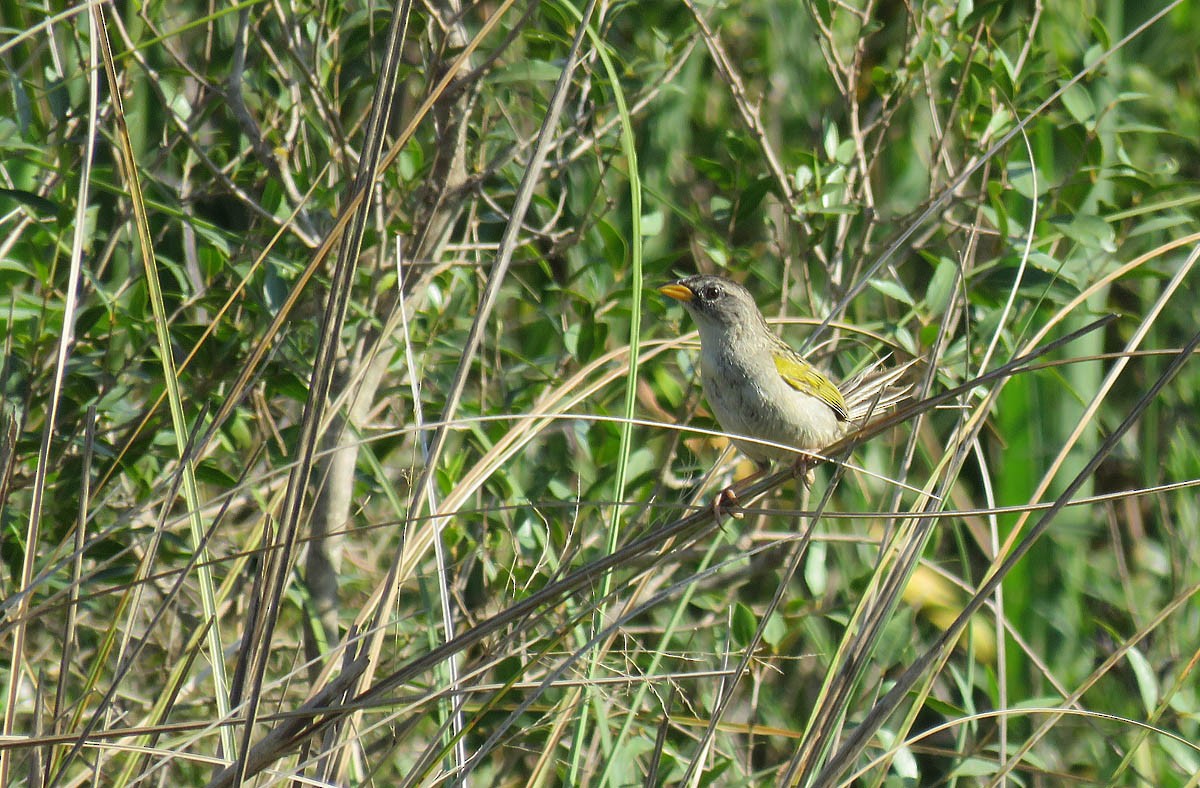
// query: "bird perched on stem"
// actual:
[[766, 395]]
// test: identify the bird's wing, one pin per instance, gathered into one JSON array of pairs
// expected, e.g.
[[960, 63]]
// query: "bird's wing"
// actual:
[[805, 378]]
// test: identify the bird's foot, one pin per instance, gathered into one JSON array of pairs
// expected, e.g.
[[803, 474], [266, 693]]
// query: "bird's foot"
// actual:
[[727, 502], [803, 469]]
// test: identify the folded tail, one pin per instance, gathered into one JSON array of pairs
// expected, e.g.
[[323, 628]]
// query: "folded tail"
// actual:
[[874, 390]]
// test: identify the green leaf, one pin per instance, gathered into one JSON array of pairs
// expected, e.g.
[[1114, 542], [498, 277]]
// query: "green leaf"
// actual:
[[893, 290], [882, 78], [1147, 682], [963, 11], [1089, 231], [998, 124], [941, 286], [1021, 175], [823, 10], [845, 152], [974, 767], [816, 573], [803, 177], [744, 625], [1100, 33], [39, 204], [775, 631], [1078, 102], [652, 223], [832, 140], [523, 72]]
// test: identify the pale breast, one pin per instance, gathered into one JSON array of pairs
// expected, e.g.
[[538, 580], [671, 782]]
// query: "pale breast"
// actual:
[[760, 404]]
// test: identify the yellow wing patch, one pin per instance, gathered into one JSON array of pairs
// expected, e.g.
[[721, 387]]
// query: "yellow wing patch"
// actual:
[[805, 378]]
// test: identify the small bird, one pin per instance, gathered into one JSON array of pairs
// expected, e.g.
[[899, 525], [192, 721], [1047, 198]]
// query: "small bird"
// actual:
[[759, 388]]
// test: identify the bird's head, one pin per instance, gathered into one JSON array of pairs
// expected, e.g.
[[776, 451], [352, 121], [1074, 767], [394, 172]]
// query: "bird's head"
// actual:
[[722, 309]]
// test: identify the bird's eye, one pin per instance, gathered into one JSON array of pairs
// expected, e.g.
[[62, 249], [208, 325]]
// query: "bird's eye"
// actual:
[[710, 293]]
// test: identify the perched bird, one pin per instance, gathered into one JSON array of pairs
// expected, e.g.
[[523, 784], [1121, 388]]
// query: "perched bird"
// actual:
[[759, 388]]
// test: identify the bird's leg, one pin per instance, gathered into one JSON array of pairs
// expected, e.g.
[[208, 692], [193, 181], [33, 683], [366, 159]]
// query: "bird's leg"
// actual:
[[803, 469], [727, 500], [726, 503]]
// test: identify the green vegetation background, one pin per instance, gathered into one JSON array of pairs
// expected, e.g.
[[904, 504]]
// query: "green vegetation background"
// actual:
[[182, 584]]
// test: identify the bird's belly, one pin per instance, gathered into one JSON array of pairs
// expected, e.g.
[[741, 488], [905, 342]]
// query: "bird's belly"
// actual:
[[776, 413]]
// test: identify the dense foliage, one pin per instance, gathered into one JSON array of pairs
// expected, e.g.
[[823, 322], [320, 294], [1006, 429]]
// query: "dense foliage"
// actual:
[[959, 183]]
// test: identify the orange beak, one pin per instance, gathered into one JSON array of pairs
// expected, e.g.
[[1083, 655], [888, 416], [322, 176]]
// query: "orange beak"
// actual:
[[677, 291]]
